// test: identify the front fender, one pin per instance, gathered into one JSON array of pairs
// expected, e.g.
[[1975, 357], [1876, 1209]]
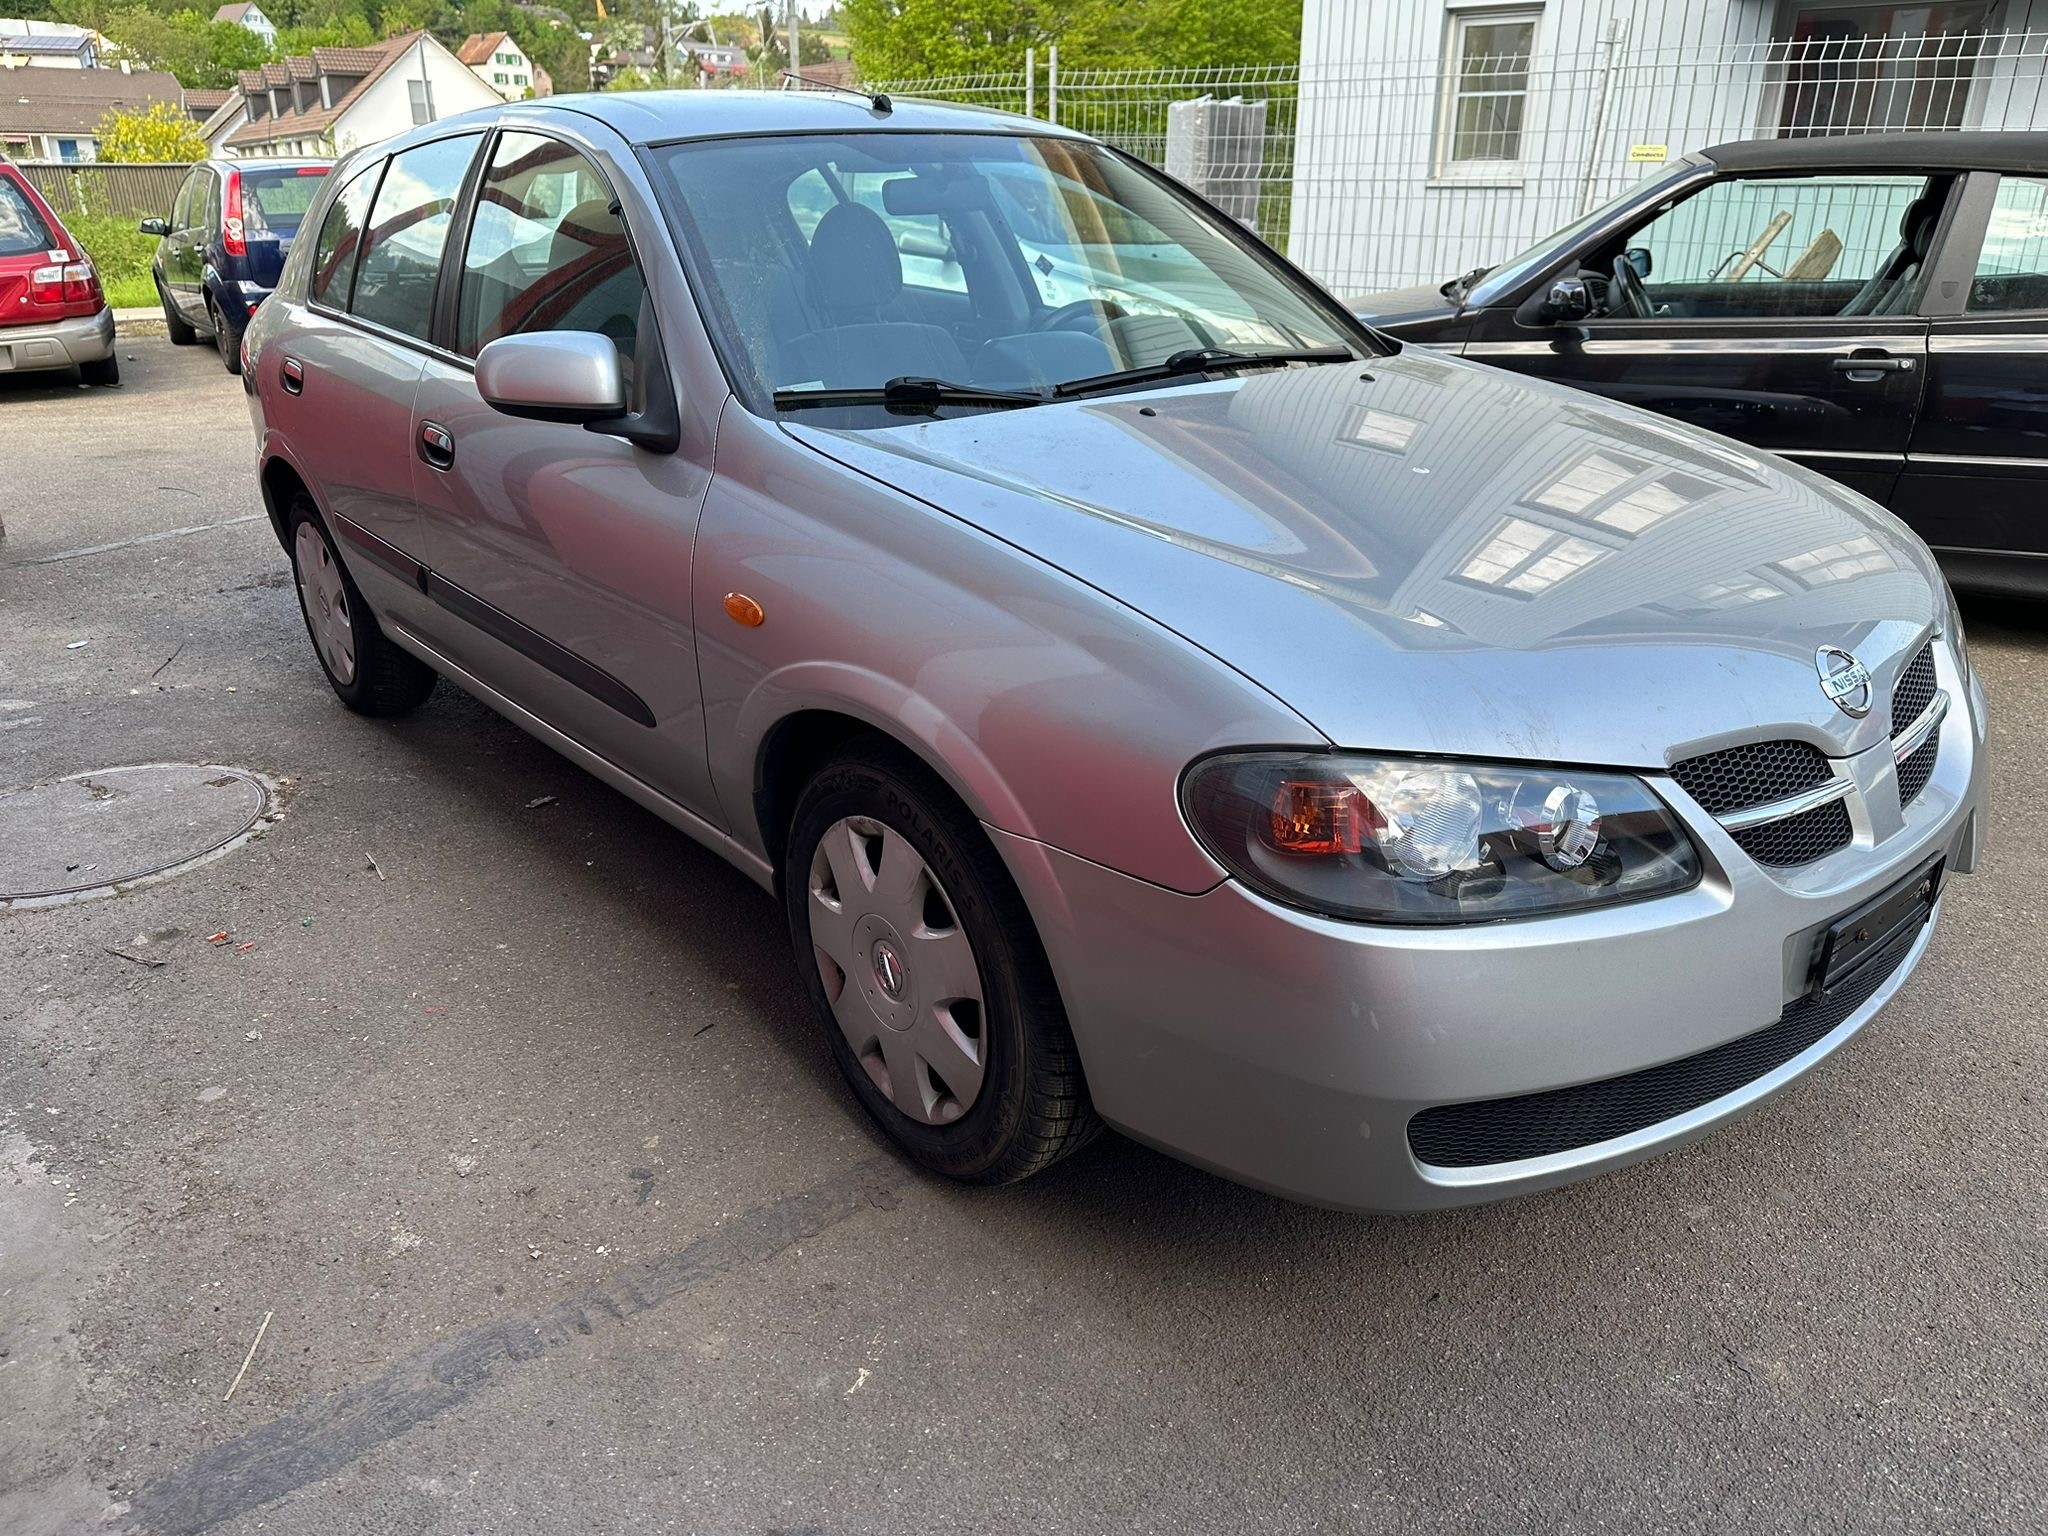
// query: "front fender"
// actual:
[[1054, 711]]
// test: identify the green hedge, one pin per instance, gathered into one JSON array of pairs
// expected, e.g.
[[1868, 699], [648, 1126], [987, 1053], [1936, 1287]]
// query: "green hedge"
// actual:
[[122, 253]]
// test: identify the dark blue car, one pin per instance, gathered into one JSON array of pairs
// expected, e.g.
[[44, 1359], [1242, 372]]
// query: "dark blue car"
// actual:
[[231, 227]]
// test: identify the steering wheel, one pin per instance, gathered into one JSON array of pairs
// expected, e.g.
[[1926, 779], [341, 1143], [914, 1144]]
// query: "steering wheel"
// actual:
[[1081, 315], [1628, 286]]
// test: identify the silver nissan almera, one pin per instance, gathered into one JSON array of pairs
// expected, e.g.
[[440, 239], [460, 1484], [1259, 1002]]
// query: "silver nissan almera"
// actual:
[[1382, 780]]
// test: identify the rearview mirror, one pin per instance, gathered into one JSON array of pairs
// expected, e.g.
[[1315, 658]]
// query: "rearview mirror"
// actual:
[[158, 227], [570, 376], [1567, 301]]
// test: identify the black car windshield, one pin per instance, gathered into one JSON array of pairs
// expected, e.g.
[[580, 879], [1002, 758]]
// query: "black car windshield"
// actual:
[[832, 263], [1501, 279]]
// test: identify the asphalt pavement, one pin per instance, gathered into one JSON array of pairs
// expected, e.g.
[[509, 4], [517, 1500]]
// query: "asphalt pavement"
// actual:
[[497, 1110]]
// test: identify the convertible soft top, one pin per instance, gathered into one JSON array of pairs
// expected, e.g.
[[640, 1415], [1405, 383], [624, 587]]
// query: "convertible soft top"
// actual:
[[2023, 152]]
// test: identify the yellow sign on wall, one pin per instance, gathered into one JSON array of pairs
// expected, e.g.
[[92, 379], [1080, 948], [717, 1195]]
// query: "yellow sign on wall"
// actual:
[[1652, 154]]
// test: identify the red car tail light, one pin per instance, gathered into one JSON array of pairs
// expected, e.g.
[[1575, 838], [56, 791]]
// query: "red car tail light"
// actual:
[[231, 219], [72, 283]]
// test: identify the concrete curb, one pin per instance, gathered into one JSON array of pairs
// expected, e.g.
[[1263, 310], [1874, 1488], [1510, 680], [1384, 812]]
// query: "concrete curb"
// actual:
[[139, 322]]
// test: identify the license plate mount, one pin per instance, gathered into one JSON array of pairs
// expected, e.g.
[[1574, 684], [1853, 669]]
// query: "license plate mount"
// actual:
[[1854, 941]]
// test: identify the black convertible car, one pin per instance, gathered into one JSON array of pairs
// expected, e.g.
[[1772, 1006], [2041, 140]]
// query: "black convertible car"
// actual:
[[1872, 306]]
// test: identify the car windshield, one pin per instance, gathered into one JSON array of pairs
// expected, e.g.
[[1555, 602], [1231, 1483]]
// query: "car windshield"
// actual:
[[274, 201], [1499, 280], [833, 263], [21, 227]]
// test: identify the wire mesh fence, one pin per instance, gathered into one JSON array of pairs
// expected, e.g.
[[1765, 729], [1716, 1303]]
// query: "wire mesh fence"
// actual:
[[1377, 173]]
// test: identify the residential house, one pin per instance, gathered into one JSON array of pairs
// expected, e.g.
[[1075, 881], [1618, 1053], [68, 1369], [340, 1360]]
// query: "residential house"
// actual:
[[710, 59], [503, 65], [251, 17], [335, 99], [1435, 136], [54, 114], [26, 44]]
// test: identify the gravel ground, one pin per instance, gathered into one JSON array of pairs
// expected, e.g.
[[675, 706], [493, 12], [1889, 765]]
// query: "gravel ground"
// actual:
[[522, 1143]]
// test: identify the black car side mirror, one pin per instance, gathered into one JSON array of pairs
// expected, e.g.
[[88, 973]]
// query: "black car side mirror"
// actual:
[[1567, 301], [158, 227], [1638, 256]]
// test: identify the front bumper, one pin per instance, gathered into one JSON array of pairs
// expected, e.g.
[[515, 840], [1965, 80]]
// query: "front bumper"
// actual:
[[1290, 1052], [57, 343]]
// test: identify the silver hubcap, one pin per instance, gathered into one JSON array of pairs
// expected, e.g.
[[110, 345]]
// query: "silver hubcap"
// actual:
[[898, 969], [326, 603]]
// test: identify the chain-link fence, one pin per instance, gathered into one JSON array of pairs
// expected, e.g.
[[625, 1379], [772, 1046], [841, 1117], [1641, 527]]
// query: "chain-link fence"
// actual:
[[1376, 173], [91, 190]]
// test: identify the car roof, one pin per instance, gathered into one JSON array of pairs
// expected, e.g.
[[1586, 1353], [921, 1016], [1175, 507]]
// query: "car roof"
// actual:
[[1887, 151], [653, 117]]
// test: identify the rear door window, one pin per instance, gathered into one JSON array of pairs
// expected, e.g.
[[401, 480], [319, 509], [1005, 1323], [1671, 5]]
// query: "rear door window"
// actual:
[[341, 237], [408, 228], [22, 229]]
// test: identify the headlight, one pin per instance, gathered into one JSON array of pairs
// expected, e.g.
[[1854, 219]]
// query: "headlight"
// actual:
[[1394, 840]]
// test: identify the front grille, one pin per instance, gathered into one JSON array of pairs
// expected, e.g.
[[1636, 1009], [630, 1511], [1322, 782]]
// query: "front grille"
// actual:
[[1917, 769], [1755, 773], [1564, 1119], [1798, 839], [1914, 693]]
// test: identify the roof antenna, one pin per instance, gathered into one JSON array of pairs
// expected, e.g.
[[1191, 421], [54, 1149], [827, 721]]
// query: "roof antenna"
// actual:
[[879, 100]]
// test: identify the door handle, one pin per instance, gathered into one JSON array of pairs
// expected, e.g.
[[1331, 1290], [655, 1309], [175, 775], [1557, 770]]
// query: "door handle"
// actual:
[[294, 375], [437, 448], [1869, 367]]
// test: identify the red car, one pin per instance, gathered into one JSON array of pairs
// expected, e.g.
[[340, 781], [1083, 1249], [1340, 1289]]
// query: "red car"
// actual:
[[53, 313]]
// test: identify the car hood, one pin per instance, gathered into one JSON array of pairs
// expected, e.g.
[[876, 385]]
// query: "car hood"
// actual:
[[1420, 554]]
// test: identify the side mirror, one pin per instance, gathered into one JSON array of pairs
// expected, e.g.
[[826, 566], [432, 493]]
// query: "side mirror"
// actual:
[[568, 376], [1568, 301], [157, 227], [1638, 256]]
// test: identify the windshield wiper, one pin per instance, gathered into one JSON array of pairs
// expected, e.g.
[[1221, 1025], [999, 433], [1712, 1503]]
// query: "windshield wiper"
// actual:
[[1200, 360], [907, 393]]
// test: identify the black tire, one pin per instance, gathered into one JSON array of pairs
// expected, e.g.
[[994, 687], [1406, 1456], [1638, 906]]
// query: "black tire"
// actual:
[[387, 680], [1032, 1107], [107, 371], [182, 335], [224, 340]]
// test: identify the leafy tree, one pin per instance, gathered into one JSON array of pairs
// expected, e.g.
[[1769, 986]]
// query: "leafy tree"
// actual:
[[200, 52], [909, 39], [162, 132]]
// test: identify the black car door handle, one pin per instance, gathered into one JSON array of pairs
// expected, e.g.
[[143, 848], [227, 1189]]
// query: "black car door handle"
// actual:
[[436, 446], [1868, 369], [294, 375]]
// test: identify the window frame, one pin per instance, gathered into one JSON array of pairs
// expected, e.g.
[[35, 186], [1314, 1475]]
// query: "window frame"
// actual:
[[1458, 17]]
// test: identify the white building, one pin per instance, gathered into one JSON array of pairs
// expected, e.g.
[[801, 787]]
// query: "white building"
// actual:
[[503, 65], [1434, 136], [28, 44], [331, 101], [251, 18]]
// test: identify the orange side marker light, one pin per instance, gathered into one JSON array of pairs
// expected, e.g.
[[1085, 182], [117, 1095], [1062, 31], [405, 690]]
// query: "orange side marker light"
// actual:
[[742, 609]]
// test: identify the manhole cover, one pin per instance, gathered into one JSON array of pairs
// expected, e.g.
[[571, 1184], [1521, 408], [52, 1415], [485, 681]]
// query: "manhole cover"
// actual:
[[105, 830]]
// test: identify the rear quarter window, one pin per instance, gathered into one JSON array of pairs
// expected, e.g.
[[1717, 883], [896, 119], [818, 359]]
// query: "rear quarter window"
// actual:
[[22, 229]]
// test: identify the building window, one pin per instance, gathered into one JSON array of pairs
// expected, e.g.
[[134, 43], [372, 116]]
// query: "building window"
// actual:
[[1486, 90], [498, 78], [1867, 68], [422, 94]]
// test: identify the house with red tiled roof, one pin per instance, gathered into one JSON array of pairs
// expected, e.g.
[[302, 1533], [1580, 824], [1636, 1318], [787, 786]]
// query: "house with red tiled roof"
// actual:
[[334, 99], [54, 114], [502, 64], [250, 18]]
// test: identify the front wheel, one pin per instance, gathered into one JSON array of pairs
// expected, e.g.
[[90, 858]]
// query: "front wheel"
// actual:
[[182, 335], [921, 960], [369, 674]]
